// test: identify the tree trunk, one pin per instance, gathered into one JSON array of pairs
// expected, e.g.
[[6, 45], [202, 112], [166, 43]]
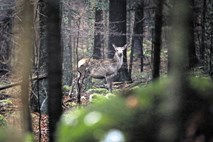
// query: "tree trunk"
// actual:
[[137, 39], [70, 45], [54, 66], [157, 39], [203, 30], [26, 41], [192, 58], [180, 39], [43, 37], [98, 39], [211, 52], [67, 56], [129, 20], [117, 34]]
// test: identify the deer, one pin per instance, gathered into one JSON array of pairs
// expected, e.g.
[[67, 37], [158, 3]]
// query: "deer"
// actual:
[[101, 68]]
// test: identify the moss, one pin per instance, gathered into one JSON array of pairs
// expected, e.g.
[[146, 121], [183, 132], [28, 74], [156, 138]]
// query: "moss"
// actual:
[[67, 88], [2, 121], [98, 91]]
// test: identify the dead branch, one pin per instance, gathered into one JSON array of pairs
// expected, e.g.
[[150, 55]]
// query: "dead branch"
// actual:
[[44, 76]]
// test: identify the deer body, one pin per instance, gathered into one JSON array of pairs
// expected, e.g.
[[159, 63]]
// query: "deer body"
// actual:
[[102, 68]]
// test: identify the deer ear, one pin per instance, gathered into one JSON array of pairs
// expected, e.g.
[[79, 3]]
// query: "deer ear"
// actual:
[[114, 46], [125, 46]]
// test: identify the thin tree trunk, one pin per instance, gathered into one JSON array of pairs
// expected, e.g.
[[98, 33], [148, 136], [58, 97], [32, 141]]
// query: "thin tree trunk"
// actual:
[[131, 59], [67, 64], [128, 17], [106, 27], [26, 45], [71, 50]]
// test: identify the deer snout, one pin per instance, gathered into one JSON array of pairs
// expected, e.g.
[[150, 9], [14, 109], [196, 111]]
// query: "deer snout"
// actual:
[[120, 54]]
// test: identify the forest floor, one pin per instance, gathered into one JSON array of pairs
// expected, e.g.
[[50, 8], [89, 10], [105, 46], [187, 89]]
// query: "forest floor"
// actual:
[[10, 102]]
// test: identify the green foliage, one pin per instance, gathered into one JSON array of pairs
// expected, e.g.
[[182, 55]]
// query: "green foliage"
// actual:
[[98, 91], [2, 121], [5, 102], [203, 86], [136, 117], [67, 88], [99, 94], [99, 98], [110, 95], [2, 135], [29, 138], [92, 124], [96, 97], [106, 117], [10, 135]]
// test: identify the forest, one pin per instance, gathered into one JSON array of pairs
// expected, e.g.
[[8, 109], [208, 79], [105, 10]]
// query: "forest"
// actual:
[[106, 70]]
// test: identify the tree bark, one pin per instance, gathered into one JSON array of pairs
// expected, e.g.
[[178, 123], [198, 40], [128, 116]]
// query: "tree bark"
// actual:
[[98, 38], [157, 39], [54, 66], [117, 34], [192, 57], [137, 39], [203, 30], [26, 41], [67, 45]]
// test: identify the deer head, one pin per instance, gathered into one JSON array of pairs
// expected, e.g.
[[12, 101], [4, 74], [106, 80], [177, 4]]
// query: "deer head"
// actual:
[[119, 50], [119, 54]]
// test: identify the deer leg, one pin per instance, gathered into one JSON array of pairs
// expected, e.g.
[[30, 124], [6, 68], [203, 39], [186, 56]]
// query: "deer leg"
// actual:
[[110, 86], [76, 82], [80, 80], [109, 83]]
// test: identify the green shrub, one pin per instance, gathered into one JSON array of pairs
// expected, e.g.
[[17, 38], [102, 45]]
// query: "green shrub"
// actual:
[[141, 115]]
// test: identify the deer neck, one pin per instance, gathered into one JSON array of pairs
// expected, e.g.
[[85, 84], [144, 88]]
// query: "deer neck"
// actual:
[[118, 60]]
